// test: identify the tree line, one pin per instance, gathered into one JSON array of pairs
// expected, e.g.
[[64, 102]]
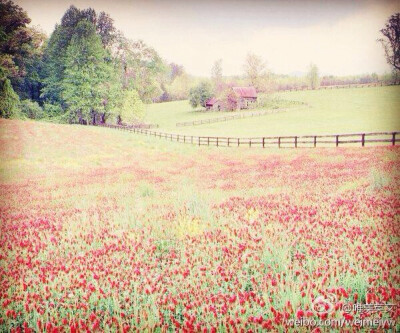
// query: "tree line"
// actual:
[[87, 71]]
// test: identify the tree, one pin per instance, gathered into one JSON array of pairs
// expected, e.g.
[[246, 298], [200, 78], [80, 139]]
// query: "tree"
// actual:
[[105, 28], [29, 85], [56, 49], [313, 76], [20, 50], [179, 88], [227, 97], [255, 70], [391, 42], [9, 100], [13, 36], [200, 94], [175, 70], [141, 67], [216, 72], [84, 87], [132, 109]]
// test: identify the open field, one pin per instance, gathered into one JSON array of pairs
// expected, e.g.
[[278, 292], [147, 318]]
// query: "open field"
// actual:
[[327, 112], [168, 114], [102, 230]]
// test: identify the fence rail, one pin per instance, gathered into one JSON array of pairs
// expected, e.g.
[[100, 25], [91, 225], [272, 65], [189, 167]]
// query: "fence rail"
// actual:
[[333, 140], [340, 86], [142, 125]]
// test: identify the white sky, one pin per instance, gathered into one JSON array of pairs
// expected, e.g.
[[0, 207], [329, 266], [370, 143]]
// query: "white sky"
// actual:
[[339, 36]]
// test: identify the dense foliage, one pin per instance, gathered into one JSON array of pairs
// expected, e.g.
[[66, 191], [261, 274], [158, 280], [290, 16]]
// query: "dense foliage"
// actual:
[[199, 95], [8, 100], [132, 108], [82, 73], [31, 109], [85, 85]]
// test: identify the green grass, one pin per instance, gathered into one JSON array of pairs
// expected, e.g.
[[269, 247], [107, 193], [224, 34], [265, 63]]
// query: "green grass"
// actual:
[[166, 115], [328, 112]]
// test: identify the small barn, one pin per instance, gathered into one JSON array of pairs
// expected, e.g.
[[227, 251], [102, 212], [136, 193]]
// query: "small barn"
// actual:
[[246, 96], [213, 104]]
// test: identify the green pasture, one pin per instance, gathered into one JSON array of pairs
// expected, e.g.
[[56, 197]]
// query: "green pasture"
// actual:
[[333, 111]]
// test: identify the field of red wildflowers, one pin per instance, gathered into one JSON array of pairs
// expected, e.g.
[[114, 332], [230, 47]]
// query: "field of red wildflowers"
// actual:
[[109, 231]]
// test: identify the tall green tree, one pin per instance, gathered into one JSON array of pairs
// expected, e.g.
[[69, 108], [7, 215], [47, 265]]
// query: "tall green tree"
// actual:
[[20, 50], [55, 55], [13, 36], [87, 74]]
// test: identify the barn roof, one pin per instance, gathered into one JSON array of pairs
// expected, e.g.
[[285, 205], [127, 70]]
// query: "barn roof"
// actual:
[[245, 92], [211, 101]]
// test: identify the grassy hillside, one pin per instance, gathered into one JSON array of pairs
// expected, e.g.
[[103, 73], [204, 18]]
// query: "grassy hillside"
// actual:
[[166, 115], [328, 112]]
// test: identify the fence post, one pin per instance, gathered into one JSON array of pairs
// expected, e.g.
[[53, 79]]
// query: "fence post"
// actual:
[[263, 142], [315, 141], [295, 142], [228, 142], [208, 141], [217, 141], [362, 140], [279, 142], [250, 143], [337, 140], [184, 139], [238, 142], [393, 138]]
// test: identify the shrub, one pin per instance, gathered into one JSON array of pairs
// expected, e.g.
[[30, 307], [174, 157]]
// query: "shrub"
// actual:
[[31, 109], [9, 100], [132, 108], [200, 94], [52, 110]]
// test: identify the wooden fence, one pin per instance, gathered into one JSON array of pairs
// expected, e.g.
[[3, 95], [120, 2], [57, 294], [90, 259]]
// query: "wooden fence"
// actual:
[[340, 86], [142, 125], [305, 141], [226, 118]]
